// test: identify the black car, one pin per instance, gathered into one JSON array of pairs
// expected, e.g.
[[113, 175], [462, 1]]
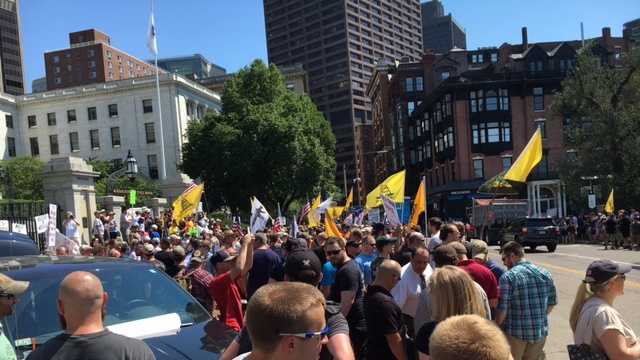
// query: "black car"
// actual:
[[138, 293], [14, 244], [533, 232]]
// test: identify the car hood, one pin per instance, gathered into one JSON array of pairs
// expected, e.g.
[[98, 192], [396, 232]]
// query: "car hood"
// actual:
[[199, 341]]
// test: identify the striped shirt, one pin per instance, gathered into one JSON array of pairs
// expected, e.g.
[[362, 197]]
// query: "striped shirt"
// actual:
[[526, 291]]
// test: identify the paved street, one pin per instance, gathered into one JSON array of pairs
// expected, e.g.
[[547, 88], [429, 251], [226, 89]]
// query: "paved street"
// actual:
[[567, 266]]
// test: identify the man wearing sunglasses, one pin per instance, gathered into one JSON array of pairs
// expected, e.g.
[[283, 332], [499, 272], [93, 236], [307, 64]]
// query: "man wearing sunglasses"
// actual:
[[9, 291]]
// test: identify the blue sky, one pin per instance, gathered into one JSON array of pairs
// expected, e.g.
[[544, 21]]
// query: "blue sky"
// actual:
[[231, 33]]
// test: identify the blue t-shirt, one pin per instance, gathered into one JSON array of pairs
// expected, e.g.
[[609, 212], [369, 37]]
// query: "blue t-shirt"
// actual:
[[364, 261], [496, 269], [328, 274]]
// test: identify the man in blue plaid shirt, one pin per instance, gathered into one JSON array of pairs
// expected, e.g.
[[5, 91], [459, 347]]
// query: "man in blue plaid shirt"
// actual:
[[527, 296]]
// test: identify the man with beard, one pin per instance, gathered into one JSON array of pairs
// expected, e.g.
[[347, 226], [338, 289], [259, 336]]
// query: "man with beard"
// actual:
[[82, 305]]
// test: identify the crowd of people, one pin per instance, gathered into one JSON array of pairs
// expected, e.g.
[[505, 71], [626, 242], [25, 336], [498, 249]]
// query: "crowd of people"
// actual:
[[614, 231], [372, 293]]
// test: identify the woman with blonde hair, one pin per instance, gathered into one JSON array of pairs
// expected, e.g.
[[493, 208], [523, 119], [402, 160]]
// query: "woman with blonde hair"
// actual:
[[594, 321], [453, 292]]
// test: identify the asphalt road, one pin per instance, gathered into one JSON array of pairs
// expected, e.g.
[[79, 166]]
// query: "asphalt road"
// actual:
[[567, 266]]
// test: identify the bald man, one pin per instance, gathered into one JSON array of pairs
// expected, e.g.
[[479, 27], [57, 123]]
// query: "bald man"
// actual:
[[82, 304], [385, 329]]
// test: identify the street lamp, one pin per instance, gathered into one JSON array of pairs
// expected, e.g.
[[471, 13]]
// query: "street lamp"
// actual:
[[130, 170], [132, 166]]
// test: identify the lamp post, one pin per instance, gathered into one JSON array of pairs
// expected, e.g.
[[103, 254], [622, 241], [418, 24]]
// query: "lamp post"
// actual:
[[130, 170]]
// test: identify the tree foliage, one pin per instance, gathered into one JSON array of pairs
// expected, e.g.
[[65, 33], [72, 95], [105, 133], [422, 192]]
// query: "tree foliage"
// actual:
[[267, 142], [601, 107], [22, 178]]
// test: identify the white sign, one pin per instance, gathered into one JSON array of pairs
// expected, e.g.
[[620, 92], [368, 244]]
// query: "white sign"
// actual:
[[42, 223], [4, 225], [374, 216], [20, 228], [592, 201], [53, 216]]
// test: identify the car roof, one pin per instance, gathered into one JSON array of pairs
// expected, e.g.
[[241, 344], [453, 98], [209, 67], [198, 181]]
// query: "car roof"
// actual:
[[8, 235], [47, 263]]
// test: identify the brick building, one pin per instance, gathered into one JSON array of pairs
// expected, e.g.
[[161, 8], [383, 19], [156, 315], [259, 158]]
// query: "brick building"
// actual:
[[479, 109], [91, 59]]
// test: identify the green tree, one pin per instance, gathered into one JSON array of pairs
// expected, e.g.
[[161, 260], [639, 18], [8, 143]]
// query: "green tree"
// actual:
[[105, 168], [267, 141], [22, 178], [601, 107]]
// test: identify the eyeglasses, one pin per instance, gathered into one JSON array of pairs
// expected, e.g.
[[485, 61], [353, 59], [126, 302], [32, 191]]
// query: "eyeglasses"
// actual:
[[310, 334], [354, 245], [332, 252]]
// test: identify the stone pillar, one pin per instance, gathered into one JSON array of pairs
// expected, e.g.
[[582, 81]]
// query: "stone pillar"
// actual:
[[69, 182], [157, 205], [112, 203]]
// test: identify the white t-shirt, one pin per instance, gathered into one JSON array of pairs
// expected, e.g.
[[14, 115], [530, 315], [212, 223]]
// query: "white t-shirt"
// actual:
[[242, 356], [407, 290], [596, 317]]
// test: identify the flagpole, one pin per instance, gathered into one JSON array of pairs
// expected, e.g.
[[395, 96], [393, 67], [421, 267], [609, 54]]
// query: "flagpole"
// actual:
[[426, 224], [163, 172]]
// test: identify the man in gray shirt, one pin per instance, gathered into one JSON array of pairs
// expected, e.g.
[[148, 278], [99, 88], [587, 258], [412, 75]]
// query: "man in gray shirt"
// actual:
[[81, 305]]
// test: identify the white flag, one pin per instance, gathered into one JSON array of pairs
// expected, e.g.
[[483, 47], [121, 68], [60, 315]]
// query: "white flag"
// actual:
[[322, 208], [294, 228], [152, 42], [390, 211], [259, 216]]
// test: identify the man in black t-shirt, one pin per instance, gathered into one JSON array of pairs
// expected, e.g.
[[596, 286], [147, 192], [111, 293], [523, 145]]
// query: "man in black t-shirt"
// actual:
[[348, 290], [266, 263], [82, 303], [385, 329], [611, 226]]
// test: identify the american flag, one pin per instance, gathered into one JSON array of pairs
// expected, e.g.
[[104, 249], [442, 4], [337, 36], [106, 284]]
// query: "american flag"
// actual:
[[304, 211], [236, 227], [277, 227]]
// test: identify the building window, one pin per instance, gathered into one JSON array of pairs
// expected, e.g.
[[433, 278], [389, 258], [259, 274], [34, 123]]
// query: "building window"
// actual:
[[58, 80], [115, 137], [53, 144], [35, 148], [506, 131], [540, 124], [147, 106], [478, 168], [9, 121], [94, 137], [93, 75], [56, 70], [152, 161], [493, 132], [492, 100], [69, 68], [108, 54], [51, 119], [113, 110], [504, 99], [538, 99], [92, 53], [494, 57], [31, 121], [150, 133], [408, 84], [411, 106], [92, 113], [11, 146], [92, 64], [56, 59], [74, 144], [419, 84], [444, 75], [71, 115], [476, 99], [535, 66], [506, 162]]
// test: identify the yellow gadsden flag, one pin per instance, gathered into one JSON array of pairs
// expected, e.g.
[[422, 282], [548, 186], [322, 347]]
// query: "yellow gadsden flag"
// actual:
[[313, 216], [330, 227], [335, 212], [419, 204], [347, 204], [609, 207], [187, 203], [530, 156], [392, 187]]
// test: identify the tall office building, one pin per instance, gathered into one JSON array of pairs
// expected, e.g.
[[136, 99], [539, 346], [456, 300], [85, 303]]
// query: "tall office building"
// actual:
[[339, 42], [11, 48], [440, 32]]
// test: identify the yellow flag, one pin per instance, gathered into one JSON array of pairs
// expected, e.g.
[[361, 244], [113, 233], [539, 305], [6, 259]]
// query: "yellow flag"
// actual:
[[347, 204], [419, 204], [609, 207], [187, 203], [336, 211], [530, 156], [313, 216], [330, 227], [392, 187]]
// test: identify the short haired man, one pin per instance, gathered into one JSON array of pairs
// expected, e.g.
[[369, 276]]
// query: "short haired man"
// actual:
[[449, 233], [386, 247], [265, 263], [405, 253], [415, 276], [9, 291], [480, 253], [348, 290], [478, 272], [366, 256], [82, 304], [285, 320], [527, 296], [147, 256], [468, 337], [434, 229], [385, 328]]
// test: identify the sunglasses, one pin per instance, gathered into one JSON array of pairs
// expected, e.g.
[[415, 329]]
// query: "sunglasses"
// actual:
[[310, 334], [354, 245], [333, 252]]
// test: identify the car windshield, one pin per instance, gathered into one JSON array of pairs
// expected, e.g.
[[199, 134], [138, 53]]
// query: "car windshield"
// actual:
[[540, 222], [135, 293]]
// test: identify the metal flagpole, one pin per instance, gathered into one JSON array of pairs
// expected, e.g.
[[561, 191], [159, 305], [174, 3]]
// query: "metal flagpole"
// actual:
[[426, 224], [163, 172]]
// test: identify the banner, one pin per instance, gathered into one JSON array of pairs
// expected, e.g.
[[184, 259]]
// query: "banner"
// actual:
[[19, 228], [530, 156], [187, 203], [42, 223], [53, 217], [390, 211], [4, 225], [392, 187], [259, 216]]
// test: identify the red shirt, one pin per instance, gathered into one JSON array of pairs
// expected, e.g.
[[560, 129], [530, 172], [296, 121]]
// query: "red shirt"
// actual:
[[226, 294], [483, 276]]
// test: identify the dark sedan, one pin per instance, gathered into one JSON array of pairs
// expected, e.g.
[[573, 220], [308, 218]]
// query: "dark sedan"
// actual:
[[143, 303], [533, 232]]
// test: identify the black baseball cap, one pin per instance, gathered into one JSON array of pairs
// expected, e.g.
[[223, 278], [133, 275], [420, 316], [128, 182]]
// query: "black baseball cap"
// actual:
[[292, 245], [220, 256], [303, 266], [601, 271]]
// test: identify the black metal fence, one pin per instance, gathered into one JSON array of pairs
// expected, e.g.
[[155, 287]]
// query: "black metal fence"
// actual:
[[24, 212]]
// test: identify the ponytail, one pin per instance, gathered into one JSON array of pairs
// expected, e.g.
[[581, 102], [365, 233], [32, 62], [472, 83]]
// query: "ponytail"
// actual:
[[582, 295]]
